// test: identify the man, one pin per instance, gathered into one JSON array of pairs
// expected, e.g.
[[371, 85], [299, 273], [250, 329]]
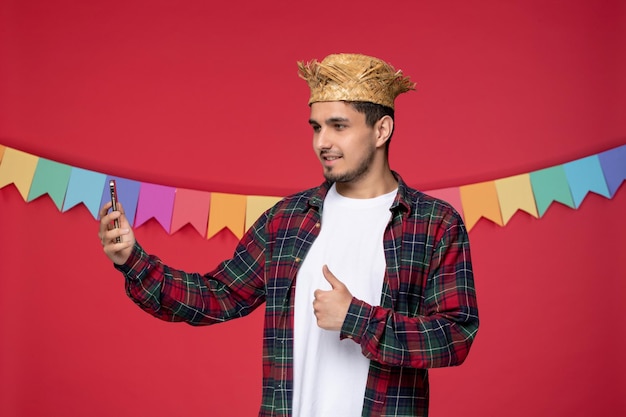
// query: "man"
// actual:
[[367, 282]]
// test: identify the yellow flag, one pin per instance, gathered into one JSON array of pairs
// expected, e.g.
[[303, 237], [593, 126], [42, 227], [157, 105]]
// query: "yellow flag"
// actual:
[[18, 168], [516, 193], [480, 200], [227, 210], [257, 206]]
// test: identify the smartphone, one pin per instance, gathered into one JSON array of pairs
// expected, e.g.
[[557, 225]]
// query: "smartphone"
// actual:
[[113, 191]]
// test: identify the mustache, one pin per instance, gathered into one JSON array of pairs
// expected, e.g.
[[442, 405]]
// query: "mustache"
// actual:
[[326, 152]]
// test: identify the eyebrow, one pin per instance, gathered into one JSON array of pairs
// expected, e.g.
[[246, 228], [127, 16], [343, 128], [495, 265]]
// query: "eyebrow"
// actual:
[[331, 120]]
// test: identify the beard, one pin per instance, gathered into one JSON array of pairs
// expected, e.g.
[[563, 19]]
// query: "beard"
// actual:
[[354, 174]]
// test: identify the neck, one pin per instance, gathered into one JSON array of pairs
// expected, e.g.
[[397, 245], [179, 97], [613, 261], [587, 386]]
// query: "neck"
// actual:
[[377, 183]]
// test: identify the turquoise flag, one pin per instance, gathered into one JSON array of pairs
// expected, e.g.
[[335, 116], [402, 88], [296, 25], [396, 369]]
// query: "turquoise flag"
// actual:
[[51, 178], [550, 185], [585, 175], [84, 187]]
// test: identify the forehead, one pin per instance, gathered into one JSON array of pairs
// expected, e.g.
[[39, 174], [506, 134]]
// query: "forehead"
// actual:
[[330, 110]]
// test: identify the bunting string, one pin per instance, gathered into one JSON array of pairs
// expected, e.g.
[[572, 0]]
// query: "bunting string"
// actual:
[[209, 213]]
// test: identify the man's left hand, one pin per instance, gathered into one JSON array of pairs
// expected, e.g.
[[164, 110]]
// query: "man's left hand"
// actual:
[[330, 307]]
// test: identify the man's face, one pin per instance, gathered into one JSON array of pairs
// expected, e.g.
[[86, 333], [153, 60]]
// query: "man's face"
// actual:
[[342, 140]]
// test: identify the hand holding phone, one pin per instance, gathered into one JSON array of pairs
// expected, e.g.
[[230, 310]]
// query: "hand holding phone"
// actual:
[[113, 191]]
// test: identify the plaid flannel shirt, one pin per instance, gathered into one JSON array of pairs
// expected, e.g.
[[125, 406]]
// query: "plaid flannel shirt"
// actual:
[[427, 317]]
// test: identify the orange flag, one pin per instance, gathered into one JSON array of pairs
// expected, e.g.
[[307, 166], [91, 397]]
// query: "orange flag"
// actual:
[[480, 200], [516, 193], [227, 210]]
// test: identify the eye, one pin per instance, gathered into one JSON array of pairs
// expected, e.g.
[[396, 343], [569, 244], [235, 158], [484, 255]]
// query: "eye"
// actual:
[[340, 126], [316, 128]]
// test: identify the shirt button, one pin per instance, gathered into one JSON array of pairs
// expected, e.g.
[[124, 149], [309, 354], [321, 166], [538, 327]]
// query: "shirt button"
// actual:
[[318, 225], [298, 259]]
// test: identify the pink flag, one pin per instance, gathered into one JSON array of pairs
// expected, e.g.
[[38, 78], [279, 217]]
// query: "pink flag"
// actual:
[[155, 201], [191, 207]]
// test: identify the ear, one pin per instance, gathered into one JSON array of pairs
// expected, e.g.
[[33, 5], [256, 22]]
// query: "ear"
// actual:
[[383, 127]]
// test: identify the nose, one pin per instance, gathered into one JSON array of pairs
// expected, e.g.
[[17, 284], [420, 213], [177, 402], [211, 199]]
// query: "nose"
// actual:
[[321, 139]]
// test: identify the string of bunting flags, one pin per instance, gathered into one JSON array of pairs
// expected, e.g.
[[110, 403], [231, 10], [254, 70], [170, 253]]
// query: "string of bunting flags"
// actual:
[[208, 212]]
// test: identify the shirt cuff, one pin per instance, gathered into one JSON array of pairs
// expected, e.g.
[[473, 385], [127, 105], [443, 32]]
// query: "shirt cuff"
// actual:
[[135, 255], [356, 320]]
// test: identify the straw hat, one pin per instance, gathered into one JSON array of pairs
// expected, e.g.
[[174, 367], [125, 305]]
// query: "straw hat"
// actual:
[[353, 77]]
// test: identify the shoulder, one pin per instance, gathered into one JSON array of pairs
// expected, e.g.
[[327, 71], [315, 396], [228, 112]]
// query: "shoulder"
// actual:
[[283, 215], [296, 205], [435, 218], [297, 201], [424, 207]]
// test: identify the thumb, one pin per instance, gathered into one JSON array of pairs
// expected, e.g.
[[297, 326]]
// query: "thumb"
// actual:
[[331, 278]]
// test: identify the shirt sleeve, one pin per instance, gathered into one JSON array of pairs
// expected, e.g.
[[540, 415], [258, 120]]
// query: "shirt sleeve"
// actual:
[[234, 289], [442, 332]]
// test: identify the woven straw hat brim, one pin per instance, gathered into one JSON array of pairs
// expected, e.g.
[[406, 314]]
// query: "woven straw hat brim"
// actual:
[[354, 77]]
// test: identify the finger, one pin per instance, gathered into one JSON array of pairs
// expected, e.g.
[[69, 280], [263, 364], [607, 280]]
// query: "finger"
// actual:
[[111, 235], [106, 223], [105, 209], [331, 278], [104, 220], [112, 249]]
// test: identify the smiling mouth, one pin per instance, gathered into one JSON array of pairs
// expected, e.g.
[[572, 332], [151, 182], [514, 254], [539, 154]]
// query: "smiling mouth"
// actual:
[[326, 155], [329, 161]]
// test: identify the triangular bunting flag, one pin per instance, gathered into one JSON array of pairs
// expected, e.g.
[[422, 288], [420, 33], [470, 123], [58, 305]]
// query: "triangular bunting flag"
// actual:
[[84, 187], [583, 176], [550, 185], [613, 164], [51, 178], [497, 200], [155, 201], [515, 193], [127, 194], [18, 168], [191, 207], [227, 210], [256, 205], [480, 200]]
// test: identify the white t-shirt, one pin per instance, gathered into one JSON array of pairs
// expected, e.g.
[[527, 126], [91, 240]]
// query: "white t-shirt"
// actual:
[[330, 374]]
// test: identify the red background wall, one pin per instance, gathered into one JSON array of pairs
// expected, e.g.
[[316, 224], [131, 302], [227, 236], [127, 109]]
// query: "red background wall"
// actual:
[[205, 96]]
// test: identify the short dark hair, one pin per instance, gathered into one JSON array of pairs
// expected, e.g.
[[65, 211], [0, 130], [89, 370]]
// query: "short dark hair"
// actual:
[[373, 113]]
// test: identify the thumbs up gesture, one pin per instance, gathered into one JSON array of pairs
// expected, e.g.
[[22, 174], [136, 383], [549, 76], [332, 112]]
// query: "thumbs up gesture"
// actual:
[[330, 307]]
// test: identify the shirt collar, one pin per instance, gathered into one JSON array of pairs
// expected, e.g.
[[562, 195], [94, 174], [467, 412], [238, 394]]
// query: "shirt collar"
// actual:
[[401, 201]]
